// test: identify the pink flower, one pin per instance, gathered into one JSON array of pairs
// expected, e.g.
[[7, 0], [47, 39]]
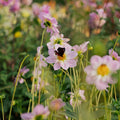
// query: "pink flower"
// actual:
[[100, 71], [107, 7], [57, 39], [114, 55], [27, 2], [38, 112], [23, 71], [118, 3], [57, 104], [5, 2], [36, 9], [62, 57], [82, 48], [97, 19], [50, 23], [42, 59], [89, 3], [77, 97], [16, 6]]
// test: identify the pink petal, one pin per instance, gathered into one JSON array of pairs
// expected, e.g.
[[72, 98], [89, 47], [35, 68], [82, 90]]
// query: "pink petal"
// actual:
[[56, 66], [27, 116]]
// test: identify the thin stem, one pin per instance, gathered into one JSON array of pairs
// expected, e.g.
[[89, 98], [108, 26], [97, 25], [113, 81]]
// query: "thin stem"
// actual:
[[16, 86], [26, 85], [2, 109]]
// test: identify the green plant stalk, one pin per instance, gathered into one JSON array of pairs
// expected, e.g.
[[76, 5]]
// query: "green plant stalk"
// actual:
[[106, 111], [26, 85], [16, 86], [2, 109]]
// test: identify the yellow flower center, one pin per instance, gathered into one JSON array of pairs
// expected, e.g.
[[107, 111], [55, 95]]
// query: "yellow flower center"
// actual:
[[103, 70], [61, 57]]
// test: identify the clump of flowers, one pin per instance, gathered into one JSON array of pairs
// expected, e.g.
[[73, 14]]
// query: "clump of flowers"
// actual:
[[39, 112], [57, 104], [23, 71], [97, 19], [100, 71], [5, 2]]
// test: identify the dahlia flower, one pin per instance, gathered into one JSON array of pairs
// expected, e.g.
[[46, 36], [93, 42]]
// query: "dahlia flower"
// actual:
[[16, 6], [97, 19], [57, 104], [82, 48], [50, 23], [57, 39], [5, 2], [62, 57], [27, 2], [100, 71], [23, 71], [114, 55], [39, 112]]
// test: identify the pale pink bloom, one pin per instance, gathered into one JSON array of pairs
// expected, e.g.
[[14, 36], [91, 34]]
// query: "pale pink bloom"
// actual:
[[89, 3], [57, 104], [27, 2], [38, 111], [57, 39], [114, 55], [36, 9], [79, 97], [100, 71], [16, 6], [50, 23], [5, 2], [44, 11], [107, 7], [97, 19], [42, 59], [62, 57], [118, 3], [117, 14], [23, 71], [82, 48]]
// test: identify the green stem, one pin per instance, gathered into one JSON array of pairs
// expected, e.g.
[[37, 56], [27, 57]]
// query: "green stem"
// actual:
[[2, 108], [16, 86]]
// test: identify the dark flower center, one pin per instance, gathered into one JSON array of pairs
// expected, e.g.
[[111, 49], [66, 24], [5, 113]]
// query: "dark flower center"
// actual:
[[60, 51], [47, 24]]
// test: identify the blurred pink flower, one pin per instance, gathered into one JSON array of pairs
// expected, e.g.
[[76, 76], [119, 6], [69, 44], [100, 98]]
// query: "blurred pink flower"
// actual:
[[36, 9], [118, 3], [114, 55], [79, 97], [82, 48], [62, 57], [90, 3], [97, 19], [23, 71], [38, 112], [5, 2], [16, 6], [100, 70], [57, 39], [50, 23], [57, 104], [27, 2], [42, 59], [107, 7]]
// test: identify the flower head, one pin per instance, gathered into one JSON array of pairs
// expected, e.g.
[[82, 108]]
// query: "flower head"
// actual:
[[23, 71], [62, 57], [82, 48], [5, 2], [57, 104], [57, 39], [16, 6], [38, 112], [114, 55], [36, 9], [97, 19], [50, 23], [100, 71]]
